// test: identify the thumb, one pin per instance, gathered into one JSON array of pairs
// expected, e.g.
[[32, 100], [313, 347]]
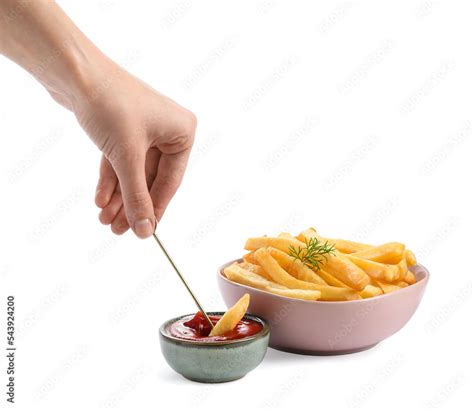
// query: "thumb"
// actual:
[[136, 198]]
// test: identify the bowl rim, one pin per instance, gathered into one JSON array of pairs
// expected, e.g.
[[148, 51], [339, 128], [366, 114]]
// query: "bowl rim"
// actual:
[[263, 332], [420, 283]]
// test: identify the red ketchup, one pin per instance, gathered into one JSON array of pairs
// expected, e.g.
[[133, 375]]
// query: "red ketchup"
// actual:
[[198, 329]]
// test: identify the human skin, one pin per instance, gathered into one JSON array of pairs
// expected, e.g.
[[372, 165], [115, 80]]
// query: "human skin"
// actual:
[[145, 137]]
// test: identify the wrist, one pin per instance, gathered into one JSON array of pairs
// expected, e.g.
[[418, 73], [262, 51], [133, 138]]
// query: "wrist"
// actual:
[[79, 74]]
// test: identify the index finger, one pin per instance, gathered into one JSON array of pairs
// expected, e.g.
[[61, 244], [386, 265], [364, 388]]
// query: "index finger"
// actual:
[[170, 173]]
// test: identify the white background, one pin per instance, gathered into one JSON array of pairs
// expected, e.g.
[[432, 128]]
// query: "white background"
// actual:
[[353, 117]]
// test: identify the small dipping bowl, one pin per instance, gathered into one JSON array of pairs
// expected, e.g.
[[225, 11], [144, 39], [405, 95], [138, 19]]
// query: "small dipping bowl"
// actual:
[[217, 361]]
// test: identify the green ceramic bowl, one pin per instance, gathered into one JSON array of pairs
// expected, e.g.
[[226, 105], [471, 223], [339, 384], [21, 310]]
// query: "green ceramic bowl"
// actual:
[[214, 362]]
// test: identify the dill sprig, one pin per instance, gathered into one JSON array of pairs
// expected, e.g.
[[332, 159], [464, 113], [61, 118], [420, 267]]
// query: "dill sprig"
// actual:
[[313, 254]]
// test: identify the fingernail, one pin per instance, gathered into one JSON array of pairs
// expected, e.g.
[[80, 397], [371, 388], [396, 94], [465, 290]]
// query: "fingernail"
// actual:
[[143, 228]]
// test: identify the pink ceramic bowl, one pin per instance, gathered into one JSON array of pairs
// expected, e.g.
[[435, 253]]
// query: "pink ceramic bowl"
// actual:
[[326, 328]]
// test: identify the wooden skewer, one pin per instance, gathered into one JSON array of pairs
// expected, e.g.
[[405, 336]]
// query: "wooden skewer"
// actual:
[[183, 280]]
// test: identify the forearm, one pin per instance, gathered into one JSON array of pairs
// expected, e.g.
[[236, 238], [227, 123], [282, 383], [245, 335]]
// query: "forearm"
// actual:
[[40, 37]]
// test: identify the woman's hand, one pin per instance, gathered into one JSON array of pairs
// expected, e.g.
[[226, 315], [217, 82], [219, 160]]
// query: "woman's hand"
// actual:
[[146, 139]]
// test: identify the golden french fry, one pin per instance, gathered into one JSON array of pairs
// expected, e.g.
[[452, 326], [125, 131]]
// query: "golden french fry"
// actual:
[[410, 257], [387, 287], [402, 284], [341, 245], [345, 246], [304, 294], [370, 291], [402, 268], [278, 274], [308, 234], [334, 293], [283, 244], [295, 267], [410, 278], [286, 235], [395, 269], [251, 267], [340, 266], [232, 317], [391, 253], [236, 274], [250, 258], [376, 270], [331, 280]]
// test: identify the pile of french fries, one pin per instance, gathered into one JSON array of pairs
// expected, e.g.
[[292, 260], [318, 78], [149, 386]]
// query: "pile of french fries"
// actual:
[[352, 271]]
